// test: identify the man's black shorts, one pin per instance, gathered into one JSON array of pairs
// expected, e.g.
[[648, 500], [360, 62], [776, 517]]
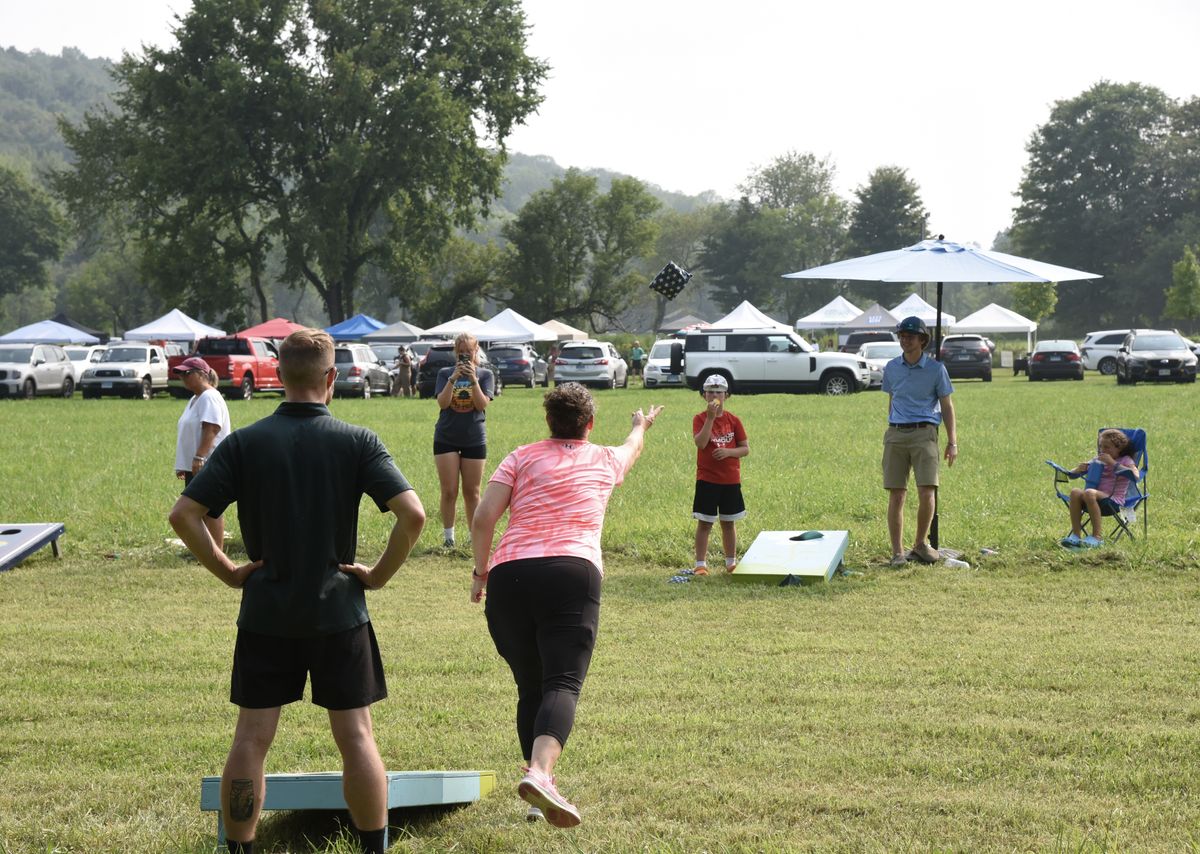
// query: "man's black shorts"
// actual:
[[475, 452], [347, 672]]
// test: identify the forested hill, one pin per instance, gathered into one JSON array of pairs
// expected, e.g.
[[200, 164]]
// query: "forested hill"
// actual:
[[36, 88]]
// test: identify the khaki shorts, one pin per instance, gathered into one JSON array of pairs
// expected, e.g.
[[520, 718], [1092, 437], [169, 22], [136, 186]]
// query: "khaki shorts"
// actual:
[[912, 449]]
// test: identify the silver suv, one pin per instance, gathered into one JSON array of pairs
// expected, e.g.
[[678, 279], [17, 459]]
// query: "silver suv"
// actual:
[[31, 369], [764, 360], [1099, 350], [591, 363]]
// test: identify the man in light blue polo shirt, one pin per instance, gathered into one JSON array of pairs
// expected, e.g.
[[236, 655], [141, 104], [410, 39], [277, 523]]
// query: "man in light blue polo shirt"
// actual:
[[919, 390]]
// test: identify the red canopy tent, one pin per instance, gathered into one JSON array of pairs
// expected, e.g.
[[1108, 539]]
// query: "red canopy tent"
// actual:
[[275, 328]]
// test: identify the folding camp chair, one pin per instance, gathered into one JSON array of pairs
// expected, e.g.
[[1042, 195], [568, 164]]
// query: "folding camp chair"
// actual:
[[1137, 494]]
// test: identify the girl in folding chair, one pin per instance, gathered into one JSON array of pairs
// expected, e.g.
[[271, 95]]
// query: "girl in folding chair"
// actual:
[[1109, 474]]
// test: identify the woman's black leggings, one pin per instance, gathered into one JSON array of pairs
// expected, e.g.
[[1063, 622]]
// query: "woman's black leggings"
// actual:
[[543, 614]]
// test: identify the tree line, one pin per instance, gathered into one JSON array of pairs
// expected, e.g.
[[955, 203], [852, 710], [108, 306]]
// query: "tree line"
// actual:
[[355, 152]]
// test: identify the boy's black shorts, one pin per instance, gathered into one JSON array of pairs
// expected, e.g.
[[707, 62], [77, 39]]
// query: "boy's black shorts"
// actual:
[[347, 672], [715, 501]]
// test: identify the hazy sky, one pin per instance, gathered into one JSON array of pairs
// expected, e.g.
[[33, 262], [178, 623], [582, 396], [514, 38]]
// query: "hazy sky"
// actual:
[[692, 95]]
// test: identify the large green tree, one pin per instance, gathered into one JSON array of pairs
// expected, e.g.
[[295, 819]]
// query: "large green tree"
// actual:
[[1183, 297], [788, 218], [31, 233], [337, 130], [573, 249], [888, 214], [1109, 178]]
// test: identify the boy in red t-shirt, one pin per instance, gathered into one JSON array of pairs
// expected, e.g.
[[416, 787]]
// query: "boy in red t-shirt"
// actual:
[[720, 445]]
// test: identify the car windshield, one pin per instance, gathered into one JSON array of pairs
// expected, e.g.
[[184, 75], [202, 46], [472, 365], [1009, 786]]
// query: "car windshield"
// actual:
[[1055, 346], [342, 357], [17, 355], [1158, 342], [505, 353], [963, 344], [661, 350], [582, 353], [76, 354], [387, 352], [124, 354], [881, 350]]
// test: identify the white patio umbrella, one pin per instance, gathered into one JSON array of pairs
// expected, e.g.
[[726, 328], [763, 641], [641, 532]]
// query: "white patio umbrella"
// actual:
[[940, 260]]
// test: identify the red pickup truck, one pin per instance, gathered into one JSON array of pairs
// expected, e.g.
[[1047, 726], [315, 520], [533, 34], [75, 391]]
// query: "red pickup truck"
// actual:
[[244, 365]]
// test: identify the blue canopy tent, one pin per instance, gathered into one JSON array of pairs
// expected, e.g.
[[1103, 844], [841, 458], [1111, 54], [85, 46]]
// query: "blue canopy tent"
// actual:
[[353, 328]]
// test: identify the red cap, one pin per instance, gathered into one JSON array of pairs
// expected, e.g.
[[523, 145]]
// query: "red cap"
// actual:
[[192, 363]]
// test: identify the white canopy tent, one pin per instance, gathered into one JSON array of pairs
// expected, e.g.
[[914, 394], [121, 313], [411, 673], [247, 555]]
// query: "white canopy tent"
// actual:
[[48, 332], [511, 327], [173, 326], [565, 331], [748, 317], [914, 305], [833, 315], [450, 328], [401, 330], [997, 318]]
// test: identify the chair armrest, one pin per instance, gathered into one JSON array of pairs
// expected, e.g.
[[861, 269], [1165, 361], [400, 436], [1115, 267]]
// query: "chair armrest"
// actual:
[[1059, 468]]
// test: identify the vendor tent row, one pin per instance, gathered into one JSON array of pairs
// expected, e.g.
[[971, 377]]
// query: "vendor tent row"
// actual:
[[511, 327], [507, 326]]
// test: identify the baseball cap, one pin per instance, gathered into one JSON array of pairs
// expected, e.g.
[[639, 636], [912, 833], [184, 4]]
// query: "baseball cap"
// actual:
[[192, 363], [913, 324], [716, 382]]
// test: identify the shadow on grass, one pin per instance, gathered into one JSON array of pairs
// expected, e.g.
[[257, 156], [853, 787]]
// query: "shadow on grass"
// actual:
[[332, 830]]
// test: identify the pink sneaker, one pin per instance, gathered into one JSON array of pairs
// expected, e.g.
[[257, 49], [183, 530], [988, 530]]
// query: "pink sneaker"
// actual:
[[538, 790]]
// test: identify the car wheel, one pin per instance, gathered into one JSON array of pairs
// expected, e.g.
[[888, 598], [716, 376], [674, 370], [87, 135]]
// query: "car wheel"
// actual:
[[546, 381], [531, 383], [68, 388], [987, 378], [247, 387], [1079, 376], [146, 390], [836, 383], [1033, 379], [29, 390], [625, 382], [1107, 366], [612, 382]]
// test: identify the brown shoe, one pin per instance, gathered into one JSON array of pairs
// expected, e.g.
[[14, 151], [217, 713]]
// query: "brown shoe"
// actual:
[[925, 553]]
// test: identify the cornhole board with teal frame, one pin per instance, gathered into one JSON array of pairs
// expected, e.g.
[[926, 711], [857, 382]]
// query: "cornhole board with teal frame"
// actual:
[[18, 540], [774, 555], [323, 791]]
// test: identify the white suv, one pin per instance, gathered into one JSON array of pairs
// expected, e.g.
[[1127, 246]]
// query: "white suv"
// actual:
[[591, 363], [31, 369], [765, 360], [1099, 350]]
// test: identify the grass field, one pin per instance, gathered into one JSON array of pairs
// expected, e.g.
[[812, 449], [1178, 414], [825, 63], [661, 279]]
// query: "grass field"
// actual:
[[1039, 701]]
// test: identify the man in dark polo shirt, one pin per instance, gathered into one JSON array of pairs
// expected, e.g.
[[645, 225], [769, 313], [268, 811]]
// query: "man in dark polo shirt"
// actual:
[[297, 477], [919, 400]]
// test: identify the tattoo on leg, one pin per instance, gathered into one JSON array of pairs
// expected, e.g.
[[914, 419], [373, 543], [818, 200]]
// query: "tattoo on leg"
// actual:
[[241, 800]]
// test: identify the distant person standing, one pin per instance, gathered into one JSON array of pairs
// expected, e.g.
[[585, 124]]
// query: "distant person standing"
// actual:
[[551, 358], [203, 425], [637, 357], [403, 384], [297, 477], [919, 401], [460, 437]]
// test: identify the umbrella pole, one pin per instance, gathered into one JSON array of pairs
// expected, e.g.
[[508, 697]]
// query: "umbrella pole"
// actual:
[[937, 350]]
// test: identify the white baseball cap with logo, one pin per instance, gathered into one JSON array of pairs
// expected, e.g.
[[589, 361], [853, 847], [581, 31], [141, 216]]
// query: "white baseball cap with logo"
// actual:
[[716, 382]]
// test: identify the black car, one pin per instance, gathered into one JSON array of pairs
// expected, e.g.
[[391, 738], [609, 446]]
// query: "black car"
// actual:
[[518, 364], [1155, 355], [441, 355], [967, 357], [1055, 360], [855, 340]]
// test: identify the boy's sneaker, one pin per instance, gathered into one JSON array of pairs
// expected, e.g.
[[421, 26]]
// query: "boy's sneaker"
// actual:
[[700, 570], [534, 814], [538, 790], [898, 561], [687, 572], [730, 567], [1090, 542], [1071, 541], [448, 543], [925, 553]]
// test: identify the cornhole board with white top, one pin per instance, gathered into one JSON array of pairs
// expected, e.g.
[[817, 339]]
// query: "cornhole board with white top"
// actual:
[[19, 540], [323, 791], [774, 555]]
